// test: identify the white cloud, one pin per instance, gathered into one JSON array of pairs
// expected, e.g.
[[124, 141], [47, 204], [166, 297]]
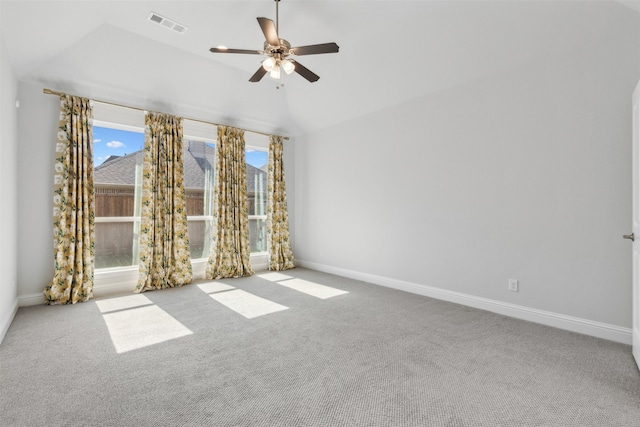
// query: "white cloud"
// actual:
[[115, 144], [95, 141]]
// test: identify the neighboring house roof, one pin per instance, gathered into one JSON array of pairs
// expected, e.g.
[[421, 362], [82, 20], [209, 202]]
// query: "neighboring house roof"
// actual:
[[112, 157], [197, 158], [118, 170]]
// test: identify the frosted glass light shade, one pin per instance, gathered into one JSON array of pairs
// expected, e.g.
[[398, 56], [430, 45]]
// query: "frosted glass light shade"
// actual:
[[269, 63], [287, 66], [275, 73]]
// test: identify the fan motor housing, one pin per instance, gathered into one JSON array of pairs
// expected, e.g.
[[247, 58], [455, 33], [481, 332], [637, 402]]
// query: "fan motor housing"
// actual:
[[283, 49]]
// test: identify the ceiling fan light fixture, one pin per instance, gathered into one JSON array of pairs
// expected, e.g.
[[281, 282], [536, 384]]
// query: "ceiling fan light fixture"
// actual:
[[277, 50], [275, 72], [269, 63], [287, 66]]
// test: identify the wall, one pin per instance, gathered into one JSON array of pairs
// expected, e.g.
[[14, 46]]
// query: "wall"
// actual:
[[8, 191], [290, 170], [37, 122], [523, 175]]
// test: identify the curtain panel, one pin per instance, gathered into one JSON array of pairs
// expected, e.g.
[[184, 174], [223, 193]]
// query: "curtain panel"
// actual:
[[165, 261], [279, 246], [73, 205], [230, 252]]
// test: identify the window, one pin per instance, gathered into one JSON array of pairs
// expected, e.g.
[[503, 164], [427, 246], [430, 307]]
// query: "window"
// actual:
[[117, 173], [118, 154], [257, 163], [199, 161]]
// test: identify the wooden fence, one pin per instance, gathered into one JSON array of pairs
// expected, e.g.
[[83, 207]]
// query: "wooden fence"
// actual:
[[114, 240]]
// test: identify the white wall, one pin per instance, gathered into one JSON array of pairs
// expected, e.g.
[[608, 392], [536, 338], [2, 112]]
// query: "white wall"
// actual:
[[8, 193], [289, 167], [523, 175], [37, 122]]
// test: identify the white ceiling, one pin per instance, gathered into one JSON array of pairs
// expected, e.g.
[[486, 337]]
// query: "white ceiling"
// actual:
[[390, 51]]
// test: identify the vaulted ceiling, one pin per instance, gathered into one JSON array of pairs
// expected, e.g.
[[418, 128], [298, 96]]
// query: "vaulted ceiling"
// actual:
[[390, 51]]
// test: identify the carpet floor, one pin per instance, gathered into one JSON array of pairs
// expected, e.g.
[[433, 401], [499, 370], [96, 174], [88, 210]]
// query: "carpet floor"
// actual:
[[304, 348]]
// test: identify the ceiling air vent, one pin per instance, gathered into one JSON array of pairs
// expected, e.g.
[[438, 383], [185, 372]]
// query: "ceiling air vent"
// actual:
[[167, 23]]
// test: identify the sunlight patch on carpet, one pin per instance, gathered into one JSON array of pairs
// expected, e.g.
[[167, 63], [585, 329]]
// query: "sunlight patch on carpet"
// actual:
[[141, 327], [274, 277], [311, 288], [122, 303], [212, 287], [247, 304]]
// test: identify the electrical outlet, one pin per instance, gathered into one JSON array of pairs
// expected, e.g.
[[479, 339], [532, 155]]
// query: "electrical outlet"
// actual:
[[513, 285]]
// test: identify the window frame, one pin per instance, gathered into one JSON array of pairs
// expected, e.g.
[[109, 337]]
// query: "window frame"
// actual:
[[118, 219], [263, 217]]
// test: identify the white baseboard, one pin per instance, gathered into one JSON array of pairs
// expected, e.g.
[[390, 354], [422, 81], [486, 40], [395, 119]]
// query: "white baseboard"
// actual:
[[7, 319], [120, 288], [109, 283], [636, 347], [561, 321], [30, 299]]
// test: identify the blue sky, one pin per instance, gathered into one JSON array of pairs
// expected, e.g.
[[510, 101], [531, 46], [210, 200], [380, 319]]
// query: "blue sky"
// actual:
[[257, 158], [112, 142]]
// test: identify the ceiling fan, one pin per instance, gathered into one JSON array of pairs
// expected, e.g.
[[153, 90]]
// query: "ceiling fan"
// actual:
[[278, 51]]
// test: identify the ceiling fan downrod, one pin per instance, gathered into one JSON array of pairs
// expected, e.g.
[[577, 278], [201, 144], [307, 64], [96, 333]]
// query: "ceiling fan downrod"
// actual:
[[277, 26]]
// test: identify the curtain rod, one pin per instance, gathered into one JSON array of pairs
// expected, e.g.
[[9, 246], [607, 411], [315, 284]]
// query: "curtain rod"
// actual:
[[53, 92]]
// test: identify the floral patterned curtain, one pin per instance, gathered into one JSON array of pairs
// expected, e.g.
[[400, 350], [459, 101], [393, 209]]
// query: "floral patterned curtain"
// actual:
[[164, 242], [73, 205], [229, 255], [279, 247]]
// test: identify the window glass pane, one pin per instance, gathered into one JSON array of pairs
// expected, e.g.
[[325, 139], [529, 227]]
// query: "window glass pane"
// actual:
[[257, 163], [198, 180], [113, 245], [118, 164], [257, 235]]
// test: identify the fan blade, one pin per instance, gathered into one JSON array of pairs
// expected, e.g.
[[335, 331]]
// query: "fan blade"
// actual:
[[315, 49], [305, 72], [258, 75], [269, 30], [227, 50]]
